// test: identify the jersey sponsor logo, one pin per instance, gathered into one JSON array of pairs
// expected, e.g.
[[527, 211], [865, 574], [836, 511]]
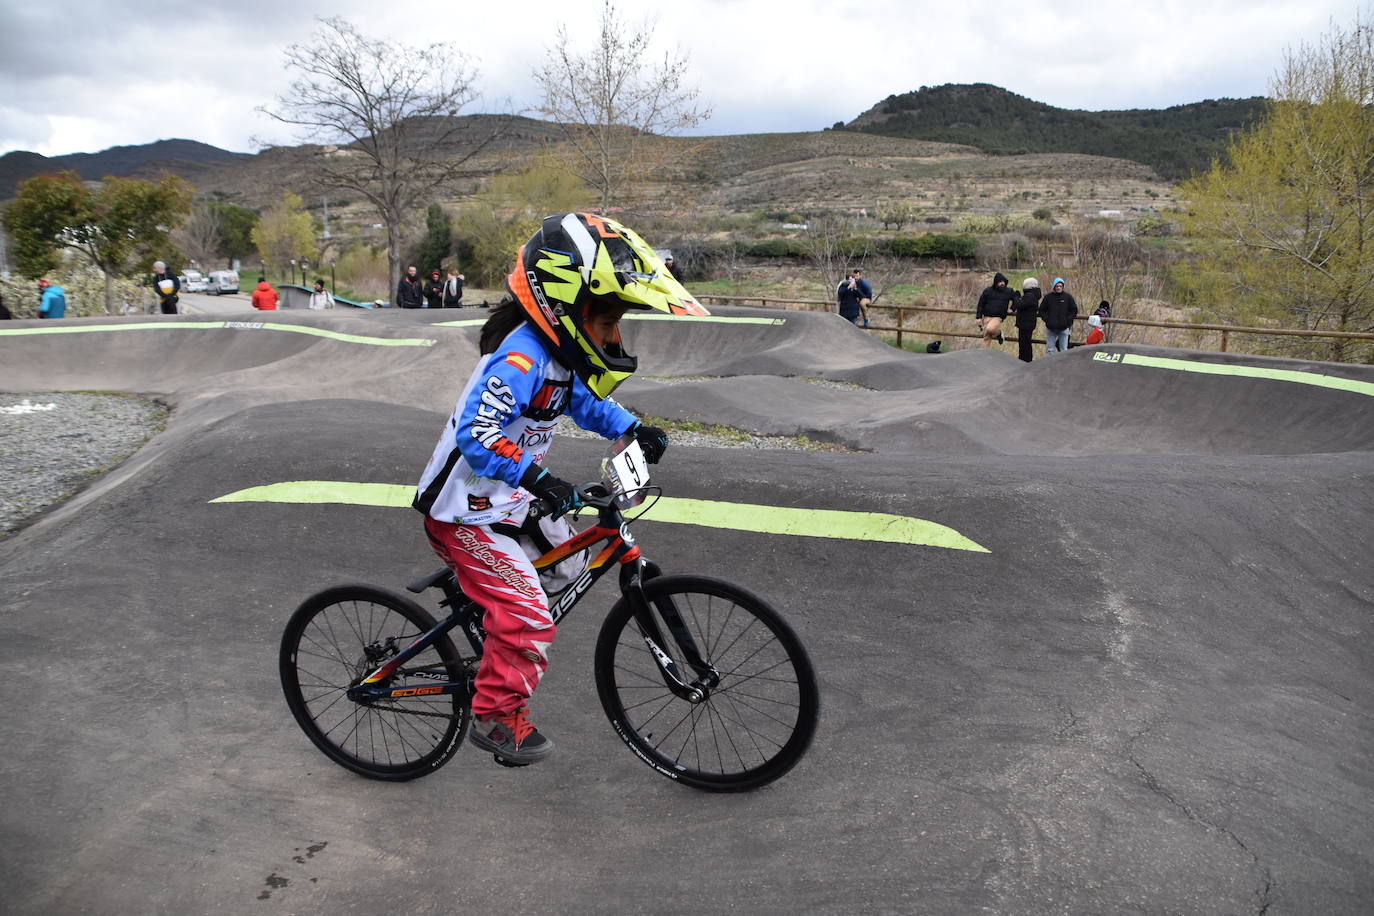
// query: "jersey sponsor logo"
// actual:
[[520, 361], [478, 503], [492, 414], [535, 438], [551, 396]]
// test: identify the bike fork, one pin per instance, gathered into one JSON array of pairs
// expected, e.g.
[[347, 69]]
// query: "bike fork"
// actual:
[[707, 677]]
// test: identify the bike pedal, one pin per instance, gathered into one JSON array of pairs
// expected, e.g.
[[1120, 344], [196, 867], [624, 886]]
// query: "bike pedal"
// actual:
[[506, 763]]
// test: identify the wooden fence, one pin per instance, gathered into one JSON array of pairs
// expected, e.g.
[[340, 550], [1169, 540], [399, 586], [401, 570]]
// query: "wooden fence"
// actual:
[[902, 328]]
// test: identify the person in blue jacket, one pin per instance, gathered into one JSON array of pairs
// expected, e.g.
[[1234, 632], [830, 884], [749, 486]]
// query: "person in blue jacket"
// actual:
[[54, 301], [551, 347]]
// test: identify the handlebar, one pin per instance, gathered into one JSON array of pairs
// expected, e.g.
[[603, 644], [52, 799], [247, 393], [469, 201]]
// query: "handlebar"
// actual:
[[594, 495]]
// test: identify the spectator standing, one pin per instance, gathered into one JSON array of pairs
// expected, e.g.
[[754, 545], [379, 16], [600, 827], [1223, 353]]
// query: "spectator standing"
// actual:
[[264, 297], [434, 291], [453, 289], [1027, 305], [410, 292], [670, 267], [1096, 335], [1057, 310], [865, 293], [847, 299], [321, 298], [54, 301], [167, 287], [992, 309]]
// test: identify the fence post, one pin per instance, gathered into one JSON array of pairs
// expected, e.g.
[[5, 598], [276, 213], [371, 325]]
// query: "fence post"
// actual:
[[901, 313], [1223, 341]]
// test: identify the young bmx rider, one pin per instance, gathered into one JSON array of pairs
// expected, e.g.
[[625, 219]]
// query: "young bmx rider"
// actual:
[[551, 347]]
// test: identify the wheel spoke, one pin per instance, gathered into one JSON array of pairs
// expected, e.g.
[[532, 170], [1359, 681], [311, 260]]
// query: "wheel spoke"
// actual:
[[757, 720], [340, 631]]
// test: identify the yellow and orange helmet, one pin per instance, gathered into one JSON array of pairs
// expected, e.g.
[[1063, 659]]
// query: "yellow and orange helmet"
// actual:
[[575, 260]]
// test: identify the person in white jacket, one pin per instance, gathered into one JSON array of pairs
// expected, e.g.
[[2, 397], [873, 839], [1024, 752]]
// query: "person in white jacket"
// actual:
[[320, 299]]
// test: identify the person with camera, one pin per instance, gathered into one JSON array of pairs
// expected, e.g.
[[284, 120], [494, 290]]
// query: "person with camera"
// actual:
[[853, 296]]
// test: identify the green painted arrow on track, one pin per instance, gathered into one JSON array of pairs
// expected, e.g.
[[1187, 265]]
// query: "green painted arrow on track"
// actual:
[[824, 523], [226, 325], [1316, 379]]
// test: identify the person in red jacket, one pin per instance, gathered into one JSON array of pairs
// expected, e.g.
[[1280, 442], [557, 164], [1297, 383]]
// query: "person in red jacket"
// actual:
[[264, 297], [1096, 335]]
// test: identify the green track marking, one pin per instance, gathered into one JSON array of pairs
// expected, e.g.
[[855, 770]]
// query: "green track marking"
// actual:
[[1316, 379], [227, 325], [825, 523], [631, 316]]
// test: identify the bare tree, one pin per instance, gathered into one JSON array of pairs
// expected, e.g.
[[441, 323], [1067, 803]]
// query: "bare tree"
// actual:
[[201, 236], [1104, 260], [613, 100], [386, 113], [833, 249]]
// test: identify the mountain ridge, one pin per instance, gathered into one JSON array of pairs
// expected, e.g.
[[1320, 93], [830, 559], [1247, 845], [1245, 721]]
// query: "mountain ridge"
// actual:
[[184, 157], [1174, 141]]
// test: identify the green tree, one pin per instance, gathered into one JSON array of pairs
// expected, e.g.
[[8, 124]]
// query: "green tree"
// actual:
[[503, 215], [1286, 220], [612, 100], [285, 232], [236, 226], [121, 224], [437, 244]]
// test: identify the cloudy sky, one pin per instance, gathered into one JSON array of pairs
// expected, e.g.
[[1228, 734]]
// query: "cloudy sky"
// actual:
[[84, 75]]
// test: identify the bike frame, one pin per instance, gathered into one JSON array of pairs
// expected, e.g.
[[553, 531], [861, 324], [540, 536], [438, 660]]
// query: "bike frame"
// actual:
[[621, 550]]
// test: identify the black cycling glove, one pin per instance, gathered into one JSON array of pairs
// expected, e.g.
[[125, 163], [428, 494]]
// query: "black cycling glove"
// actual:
[[653, 440], [558, 493]]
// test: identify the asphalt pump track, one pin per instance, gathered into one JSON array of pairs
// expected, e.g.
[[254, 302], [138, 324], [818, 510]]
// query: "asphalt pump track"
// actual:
[[1093, 633]]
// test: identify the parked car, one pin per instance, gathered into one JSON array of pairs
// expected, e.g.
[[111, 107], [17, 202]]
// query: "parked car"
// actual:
[[223, 282], [193, 281]]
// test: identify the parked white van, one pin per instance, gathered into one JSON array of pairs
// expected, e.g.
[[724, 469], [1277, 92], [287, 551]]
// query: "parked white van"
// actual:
[[193, 281], [223, 282]]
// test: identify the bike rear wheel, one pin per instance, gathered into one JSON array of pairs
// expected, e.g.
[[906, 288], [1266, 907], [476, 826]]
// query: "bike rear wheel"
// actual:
[[337, 637], [752, 727]]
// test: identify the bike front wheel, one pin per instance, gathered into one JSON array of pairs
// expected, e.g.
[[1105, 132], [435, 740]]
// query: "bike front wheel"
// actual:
[[751, 727], [339, 636]]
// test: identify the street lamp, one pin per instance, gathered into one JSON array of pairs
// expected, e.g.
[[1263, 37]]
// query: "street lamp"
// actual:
[[333, 286], [305, 271], [293, 271]]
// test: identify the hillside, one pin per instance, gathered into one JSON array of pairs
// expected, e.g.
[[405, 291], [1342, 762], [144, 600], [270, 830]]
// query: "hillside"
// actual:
[[708, 177], [1173, 141], [188, 158]]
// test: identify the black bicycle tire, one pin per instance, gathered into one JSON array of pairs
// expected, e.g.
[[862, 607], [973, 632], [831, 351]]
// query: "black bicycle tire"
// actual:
[[614, 702], [447, 742]]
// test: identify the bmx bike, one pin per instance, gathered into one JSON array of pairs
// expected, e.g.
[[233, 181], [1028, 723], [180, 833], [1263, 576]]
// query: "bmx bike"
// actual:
[[703, 680]]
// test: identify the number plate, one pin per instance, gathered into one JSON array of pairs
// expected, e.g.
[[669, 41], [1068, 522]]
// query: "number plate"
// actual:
[[626, 472]]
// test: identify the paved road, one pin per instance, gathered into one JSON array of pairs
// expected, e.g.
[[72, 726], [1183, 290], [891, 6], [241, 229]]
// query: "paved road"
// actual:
[[1151, 694]]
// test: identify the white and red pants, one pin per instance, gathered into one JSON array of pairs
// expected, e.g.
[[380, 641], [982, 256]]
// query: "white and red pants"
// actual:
[[495, 570]]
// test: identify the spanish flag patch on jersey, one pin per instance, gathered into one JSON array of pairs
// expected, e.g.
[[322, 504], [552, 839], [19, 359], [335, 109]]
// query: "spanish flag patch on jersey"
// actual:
[[520, 361]]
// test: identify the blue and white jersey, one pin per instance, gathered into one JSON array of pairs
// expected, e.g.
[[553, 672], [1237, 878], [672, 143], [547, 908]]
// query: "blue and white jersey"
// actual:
[[504, 422]]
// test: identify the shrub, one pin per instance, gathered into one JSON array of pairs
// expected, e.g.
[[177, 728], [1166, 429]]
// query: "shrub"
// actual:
[[777, 248]]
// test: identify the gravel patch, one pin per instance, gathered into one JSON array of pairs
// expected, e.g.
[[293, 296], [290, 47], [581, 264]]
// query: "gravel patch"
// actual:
[[820, 382], [680, 435], [51, 445]]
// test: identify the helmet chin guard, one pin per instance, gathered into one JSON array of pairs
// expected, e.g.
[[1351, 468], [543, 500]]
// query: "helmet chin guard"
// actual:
[[577, 261]]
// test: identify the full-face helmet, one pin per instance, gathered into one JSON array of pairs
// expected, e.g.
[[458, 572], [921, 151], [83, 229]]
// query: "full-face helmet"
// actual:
[[577, 261]]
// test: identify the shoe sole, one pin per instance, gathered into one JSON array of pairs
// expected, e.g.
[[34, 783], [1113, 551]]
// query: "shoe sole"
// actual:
[[518, 757]]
